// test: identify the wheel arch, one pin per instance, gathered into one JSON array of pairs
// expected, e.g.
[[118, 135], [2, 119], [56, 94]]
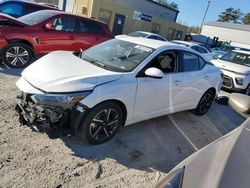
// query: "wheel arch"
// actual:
[[121, 104], [23, 41]]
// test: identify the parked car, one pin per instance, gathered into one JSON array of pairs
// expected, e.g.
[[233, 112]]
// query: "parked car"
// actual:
[[202, 50], [240, 103], [110, 84], [36, 34], [17, 8], [236, 68], [219, 52], [223, 163], [148, 35]]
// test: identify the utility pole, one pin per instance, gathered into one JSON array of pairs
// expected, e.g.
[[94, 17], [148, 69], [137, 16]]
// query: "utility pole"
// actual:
[[204, 17], [64, 5]]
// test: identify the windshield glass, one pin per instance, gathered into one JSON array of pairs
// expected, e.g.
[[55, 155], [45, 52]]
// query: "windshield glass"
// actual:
[[137, 34], [117, 55], [238, 58], [36, 17]]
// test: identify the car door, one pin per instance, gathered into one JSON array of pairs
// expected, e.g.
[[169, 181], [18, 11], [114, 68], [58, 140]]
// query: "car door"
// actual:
[[88, 34], [195, 80], [156, 97], [61, 35]]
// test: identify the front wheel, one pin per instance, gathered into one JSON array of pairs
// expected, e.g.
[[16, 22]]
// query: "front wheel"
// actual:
[[17, 55], [205, 103], [248, 90], [101, 123]]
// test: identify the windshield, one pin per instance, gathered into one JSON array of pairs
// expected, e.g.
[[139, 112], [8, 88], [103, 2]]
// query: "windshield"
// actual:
[[238, 58], [137, 34], [117, 55], [36, 17]]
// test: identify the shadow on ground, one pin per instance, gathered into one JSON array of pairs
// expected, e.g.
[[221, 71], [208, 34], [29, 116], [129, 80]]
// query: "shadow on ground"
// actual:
[[10, 71], [161, 143]]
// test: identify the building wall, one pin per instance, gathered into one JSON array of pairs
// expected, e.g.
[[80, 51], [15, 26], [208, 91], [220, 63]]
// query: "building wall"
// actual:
[[108, 8], [242, 38]]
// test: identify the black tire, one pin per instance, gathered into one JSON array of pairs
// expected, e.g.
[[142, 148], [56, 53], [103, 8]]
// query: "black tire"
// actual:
[[247, 92], [17, 55], [205, 103], [96, 127]]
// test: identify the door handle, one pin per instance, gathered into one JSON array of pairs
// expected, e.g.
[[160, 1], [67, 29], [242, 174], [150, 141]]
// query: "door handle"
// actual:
[[71, 38]]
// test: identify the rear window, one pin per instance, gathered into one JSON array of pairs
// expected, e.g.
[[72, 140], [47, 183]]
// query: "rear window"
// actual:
[[90, 27], [36, 17]]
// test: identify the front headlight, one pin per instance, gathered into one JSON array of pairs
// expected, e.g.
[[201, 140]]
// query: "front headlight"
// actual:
[[59, 100], [173, 180], [239, 81]]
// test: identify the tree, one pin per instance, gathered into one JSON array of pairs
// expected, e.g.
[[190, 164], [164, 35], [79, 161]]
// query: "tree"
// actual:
[[230, 15], [174, 5], [193, 29], [165, 2], [246, 19]]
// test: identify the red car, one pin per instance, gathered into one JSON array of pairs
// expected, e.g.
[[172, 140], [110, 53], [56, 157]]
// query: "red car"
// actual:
[[29, 37]]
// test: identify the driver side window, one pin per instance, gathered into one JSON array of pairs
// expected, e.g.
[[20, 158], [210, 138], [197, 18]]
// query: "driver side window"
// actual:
[[166, 62], [64, 23]]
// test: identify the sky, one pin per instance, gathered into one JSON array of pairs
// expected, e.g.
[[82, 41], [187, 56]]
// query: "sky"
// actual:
[[192, 11]]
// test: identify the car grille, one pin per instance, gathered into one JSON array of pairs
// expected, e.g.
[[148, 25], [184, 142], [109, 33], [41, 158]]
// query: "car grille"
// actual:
[[227, 82]]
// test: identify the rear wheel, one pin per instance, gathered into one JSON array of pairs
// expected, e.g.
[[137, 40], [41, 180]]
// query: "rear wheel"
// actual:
[[17, 55], [205, 103], [101, 123], [248, 90]]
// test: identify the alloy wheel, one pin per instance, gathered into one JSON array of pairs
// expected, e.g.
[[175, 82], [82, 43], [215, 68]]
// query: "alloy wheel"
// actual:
[[17, 55], [206, 102], [104, 124], [248, 90]]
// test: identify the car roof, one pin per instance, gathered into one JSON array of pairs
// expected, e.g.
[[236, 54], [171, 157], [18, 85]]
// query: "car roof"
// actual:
[[147, 33], [59, 12], [148, 42], [186, 43]]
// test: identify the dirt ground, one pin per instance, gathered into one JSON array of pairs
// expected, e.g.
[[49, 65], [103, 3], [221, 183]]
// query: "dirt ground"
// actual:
[[139, 156]]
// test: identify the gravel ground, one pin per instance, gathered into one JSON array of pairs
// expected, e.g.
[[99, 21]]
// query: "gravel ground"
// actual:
[[139, 156], [31, 159]]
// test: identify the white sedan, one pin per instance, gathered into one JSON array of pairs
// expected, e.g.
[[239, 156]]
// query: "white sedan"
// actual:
[[147, 35], [119, 82], [203, 51]]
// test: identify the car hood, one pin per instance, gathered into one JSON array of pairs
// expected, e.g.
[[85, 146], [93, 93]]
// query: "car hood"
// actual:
[[62, 71], [232, 67], [224, 163]]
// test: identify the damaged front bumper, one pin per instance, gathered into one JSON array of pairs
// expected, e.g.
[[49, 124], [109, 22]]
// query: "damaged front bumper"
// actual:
[[33, 114]]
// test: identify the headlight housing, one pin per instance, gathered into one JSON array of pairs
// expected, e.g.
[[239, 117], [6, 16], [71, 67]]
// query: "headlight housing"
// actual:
[[173, 180], [239, 81], [62, 100]]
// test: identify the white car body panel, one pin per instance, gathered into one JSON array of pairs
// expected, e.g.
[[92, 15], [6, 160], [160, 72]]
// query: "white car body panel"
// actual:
[[70, 74], [232, 70], [143, 97]]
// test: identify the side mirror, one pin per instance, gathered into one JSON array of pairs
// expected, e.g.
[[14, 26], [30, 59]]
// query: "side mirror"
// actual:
[[50, 26], [154, 73]]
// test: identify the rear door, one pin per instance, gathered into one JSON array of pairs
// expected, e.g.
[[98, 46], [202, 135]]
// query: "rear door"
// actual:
[[88, 33], [62, 37], [195, 79]]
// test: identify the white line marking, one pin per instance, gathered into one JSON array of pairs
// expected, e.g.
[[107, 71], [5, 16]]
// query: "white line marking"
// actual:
[[175, 124]]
